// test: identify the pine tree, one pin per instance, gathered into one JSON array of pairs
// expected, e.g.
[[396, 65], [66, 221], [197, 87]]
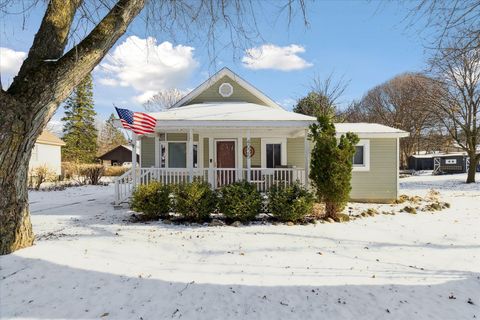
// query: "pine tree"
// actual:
[[331, 165], [80, 133], [110, 136]]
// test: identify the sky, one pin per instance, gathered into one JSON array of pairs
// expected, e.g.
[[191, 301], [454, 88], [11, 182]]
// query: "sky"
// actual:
[[363, 43]]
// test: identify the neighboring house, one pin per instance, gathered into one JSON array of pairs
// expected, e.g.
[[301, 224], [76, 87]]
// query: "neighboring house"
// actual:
[[47, 151], [208, 135], [118, 156]]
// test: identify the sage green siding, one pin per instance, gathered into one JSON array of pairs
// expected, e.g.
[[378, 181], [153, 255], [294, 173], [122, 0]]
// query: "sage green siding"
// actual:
[[239, 93], [179, 136], [380, 182], [257, 156], [147, 152], [205, 152], [296, 152]]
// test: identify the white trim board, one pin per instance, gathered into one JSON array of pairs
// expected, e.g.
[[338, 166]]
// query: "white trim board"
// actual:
[[366, 156]]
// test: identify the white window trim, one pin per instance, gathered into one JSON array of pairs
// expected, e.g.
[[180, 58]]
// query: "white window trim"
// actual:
[[282, 141], [230, 87], [165, 143], [365, 143]]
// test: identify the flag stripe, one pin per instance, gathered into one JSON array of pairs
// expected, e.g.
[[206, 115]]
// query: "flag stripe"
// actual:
[[138, 122]]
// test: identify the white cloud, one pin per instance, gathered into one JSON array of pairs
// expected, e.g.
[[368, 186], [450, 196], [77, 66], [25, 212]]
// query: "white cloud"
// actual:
[[10, 63], [270, 56], [147, 66], [144, 97]]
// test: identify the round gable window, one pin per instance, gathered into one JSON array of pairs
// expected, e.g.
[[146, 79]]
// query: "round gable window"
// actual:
[[225, 89]]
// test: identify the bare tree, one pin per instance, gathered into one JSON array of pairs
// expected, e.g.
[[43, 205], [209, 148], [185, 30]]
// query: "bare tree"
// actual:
[[448, 21], [48, 75], [323, 98], [401, 103], [457, 73], [163, 100]]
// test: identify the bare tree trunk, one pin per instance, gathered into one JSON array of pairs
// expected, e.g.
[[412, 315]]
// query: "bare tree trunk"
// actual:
[[15, 227], [45, 79], [472, 169]]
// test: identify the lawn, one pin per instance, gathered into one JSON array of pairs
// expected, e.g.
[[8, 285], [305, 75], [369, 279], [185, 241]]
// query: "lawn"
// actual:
[[89, 262]]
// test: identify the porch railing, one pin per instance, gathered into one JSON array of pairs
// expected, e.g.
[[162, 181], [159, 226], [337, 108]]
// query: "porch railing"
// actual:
[[262, 178]]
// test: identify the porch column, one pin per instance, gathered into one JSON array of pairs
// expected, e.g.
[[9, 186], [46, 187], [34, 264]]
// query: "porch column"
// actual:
[[249, 158], [307, 157], [210, 162], [157, 151], [134, 159], [239, 159], [190, 155]]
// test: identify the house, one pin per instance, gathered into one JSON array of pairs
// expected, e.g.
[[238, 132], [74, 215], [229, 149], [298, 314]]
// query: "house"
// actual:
[[227, 130], [47, 151], [118, 156]]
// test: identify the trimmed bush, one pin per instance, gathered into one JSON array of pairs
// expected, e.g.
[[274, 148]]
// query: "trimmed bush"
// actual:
[[240, 201], [195, 201], [152, 199], [290, 203], [115, 171], [40, 175], [92, 173]]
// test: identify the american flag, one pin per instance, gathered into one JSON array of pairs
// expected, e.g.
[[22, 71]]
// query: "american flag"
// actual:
[[138, 122]]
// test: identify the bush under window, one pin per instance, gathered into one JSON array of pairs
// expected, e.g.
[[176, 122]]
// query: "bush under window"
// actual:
[[152, 199], [195, 201]]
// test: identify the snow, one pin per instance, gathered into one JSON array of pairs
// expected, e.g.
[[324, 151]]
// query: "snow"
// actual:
[[89, 263]]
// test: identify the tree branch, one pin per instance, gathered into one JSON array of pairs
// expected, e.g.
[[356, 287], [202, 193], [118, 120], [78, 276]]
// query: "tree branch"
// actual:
[[52, 36]]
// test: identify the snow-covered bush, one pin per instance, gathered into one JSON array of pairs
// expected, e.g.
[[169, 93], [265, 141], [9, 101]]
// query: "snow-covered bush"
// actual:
[[290, 203], [152, 199], [194, 201], [240, 201]]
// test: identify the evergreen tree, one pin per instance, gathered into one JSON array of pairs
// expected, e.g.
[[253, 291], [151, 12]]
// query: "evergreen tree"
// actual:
[[110, 136], [80, 133], [331, 165], [315, 104]]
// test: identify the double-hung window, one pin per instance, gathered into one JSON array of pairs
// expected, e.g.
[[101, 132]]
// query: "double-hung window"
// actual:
[[175, 154]]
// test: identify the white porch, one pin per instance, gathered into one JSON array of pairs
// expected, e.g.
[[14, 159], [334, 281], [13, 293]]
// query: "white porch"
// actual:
[[220, 156]]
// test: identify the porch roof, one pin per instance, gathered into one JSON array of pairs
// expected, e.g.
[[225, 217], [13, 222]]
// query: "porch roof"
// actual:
[[224, 114]]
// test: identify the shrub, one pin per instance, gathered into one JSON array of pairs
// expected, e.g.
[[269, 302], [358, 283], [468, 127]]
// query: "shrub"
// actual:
[[195, 201], [40, 175], [115, 171], [240, 201], [152, 199], [290, 203], [91, 173], [331, 165]]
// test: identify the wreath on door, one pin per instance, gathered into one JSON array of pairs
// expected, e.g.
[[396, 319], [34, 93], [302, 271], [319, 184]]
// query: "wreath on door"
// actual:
[[252, 151]]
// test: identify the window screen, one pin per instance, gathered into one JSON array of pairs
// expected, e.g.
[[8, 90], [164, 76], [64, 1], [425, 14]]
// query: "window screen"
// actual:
[[358, 157], [274, 155], [195, 156], [177, 155]]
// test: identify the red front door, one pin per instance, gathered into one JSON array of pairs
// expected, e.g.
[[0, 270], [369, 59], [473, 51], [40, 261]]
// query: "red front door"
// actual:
[[225, 159]]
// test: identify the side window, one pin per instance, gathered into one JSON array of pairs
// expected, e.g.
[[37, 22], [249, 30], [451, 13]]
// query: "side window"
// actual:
[[361, 158], [358, 158]]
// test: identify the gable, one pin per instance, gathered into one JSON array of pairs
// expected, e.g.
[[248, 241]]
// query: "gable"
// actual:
[[212, 94], [242, 91]]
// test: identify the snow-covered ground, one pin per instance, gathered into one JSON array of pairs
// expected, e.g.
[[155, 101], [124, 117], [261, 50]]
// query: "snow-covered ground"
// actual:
[[89, 263]]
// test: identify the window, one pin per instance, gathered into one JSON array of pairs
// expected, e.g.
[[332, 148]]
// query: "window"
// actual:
[[361, 158], [273, 152], [274, 155], [358, 157], [195, 155], [35, 153], [177, 155]]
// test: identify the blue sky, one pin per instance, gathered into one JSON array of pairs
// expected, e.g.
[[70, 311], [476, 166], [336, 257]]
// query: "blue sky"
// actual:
[[364, 42]]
